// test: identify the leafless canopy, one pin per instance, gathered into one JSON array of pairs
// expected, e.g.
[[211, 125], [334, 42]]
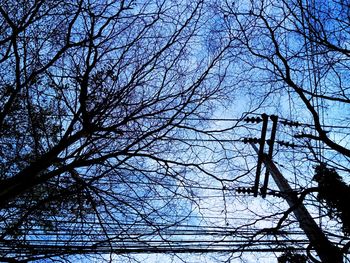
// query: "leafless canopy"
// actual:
[[91, 92]]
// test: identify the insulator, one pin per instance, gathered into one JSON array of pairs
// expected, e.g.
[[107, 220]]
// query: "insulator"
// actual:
[[290, 123], [250, 190], [287, 144], [250, 140], [284, 122], [244, 190], [275, 193], [253, 119]]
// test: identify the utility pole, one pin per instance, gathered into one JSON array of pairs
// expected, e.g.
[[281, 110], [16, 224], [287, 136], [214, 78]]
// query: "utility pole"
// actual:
[[327, 252]]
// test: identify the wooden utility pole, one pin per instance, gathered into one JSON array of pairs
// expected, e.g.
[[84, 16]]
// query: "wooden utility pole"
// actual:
[[327, 252]]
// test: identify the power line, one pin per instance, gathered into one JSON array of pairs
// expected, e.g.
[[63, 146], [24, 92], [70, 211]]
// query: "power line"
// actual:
[[286, 121]]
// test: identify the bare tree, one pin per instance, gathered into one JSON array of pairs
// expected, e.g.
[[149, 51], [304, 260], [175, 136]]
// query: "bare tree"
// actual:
[[93, 95], [295, 61], [105, 148]]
